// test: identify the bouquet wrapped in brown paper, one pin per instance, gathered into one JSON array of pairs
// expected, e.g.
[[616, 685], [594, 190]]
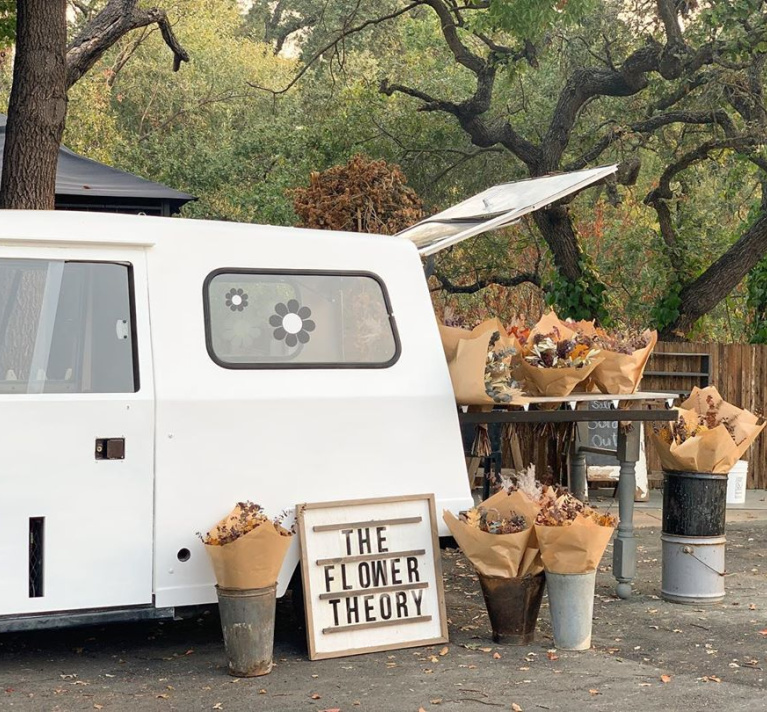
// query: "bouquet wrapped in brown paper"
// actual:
[[495, 535], [571, 535], [247, 548], [479, 362], [625, 355], [555, 359], [711, 435]]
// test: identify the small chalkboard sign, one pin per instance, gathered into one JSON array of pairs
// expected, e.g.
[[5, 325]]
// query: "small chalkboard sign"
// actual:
[[601, 434], [372, 575]]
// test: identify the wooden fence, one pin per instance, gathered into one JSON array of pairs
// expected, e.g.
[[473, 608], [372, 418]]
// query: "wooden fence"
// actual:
[[739, 371]]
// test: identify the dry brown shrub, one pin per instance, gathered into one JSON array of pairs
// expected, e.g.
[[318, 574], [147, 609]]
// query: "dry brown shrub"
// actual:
[[364, 195]]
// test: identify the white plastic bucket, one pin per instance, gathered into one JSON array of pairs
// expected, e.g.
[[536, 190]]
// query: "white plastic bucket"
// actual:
[[736, 483], [571, 603]]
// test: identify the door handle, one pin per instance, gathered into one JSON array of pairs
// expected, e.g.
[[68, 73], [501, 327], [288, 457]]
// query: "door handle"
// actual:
[[110, 448]]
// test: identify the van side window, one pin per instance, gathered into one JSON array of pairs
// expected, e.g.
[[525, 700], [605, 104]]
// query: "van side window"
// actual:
[[66, 327], [301, 319]]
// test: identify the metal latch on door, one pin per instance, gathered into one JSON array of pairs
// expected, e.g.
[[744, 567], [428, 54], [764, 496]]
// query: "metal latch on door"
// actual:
[[110, 448]]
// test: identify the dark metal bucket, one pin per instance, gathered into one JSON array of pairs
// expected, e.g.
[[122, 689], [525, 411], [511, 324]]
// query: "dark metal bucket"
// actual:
[[694, 503], [512, 606], [247, 621]]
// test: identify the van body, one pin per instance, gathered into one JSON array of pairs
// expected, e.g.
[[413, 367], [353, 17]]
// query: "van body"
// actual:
[[155, 371]]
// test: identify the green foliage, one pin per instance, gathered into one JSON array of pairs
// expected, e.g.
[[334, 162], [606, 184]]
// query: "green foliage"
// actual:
[[530, 19], [666, 310], [757, 302], [7, 22], [583, 299]]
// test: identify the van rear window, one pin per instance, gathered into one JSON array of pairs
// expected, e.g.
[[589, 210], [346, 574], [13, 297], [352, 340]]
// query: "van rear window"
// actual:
[[299, 319]]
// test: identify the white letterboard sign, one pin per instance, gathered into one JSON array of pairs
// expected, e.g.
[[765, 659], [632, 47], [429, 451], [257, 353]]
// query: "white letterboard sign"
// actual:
[[372, 575]]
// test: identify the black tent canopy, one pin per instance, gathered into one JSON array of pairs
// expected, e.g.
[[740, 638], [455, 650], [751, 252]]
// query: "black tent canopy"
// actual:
[[84, 184]]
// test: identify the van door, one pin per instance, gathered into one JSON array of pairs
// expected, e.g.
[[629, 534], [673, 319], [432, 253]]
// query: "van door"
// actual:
[[76, 430]]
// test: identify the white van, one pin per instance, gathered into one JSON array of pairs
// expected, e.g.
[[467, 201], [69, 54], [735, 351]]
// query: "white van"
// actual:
[[155, 371]]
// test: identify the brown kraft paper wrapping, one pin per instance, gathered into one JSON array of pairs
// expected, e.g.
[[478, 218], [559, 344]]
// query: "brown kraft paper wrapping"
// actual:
[[252, 560], [621, 373], [498, 555], [555, 381], [714, 450], [574, 548], [558, 382], [466, 353]]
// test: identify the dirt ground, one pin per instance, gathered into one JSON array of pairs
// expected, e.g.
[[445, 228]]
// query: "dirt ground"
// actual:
[[647, 654]]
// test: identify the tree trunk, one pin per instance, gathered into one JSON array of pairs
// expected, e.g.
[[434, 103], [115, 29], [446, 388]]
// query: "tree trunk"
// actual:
[[38, 106], [557, 229], [702, 295]]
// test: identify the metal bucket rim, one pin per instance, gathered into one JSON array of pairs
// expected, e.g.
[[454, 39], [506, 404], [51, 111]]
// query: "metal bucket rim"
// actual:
[[246, 592], [526, 577], [693, 540], [697, 475], [592, 572]]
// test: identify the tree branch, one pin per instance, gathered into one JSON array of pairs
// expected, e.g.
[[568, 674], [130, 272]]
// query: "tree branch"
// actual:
[[481, 283], [118, 18], [337, 40]]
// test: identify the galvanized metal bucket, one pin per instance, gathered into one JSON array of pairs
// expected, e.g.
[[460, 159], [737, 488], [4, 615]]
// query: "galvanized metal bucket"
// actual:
[[247, 621], [693, 569], [571, 602], [512, 606]]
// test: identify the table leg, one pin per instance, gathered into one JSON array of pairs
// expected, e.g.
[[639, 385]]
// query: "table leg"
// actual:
[[625, 546], [578, 482]]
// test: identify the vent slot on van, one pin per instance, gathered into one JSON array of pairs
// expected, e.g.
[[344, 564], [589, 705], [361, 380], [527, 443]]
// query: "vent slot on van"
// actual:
[[36, 541]]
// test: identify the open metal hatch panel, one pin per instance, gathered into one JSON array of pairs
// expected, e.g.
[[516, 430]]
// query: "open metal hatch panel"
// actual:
[[497, 207]]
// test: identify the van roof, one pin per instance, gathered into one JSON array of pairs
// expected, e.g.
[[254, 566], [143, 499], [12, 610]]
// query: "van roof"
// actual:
[[92, 228]]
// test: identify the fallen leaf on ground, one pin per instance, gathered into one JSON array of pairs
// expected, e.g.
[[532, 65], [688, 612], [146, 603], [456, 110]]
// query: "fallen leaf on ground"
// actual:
[[162, 696], [763, 632], [316, 696], [218, 706], [515, 707], [552, 655], [435, 701], [444, 651], [594, 692], [665, 678], [98, 707], [497, 656]]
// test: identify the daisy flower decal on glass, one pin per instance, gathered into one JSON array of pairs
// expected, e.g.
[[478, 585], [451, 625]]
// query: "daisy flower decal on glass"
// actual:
[[236, 299], [292, 323]]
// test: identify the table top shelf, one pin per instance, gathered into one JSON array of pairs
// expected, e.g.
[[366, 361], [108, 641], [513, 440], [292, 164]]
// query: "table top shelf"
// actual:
[[527, 412]]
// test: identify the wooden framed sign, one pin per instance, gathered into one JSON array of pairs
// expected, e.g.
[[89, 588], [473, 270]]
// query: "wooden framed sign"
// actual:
[[372, 575]]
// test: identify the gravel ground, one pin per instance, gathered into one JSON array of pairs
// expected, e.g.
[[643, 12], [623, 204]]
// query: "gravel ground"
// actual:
[[647, 654]]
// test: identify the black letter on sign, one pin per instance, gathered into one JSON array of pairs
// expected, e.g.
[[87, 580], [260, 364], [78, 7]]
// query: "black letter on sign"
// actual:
[[344, 585], [352, 609], [381, 539], [328, 577], [395, 571], [364, 540], [418, 598], [368, 602], [401, 604], [348, 536], [385, 606], [379, 572], [363, 574], [334, 602], [412, 569]]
